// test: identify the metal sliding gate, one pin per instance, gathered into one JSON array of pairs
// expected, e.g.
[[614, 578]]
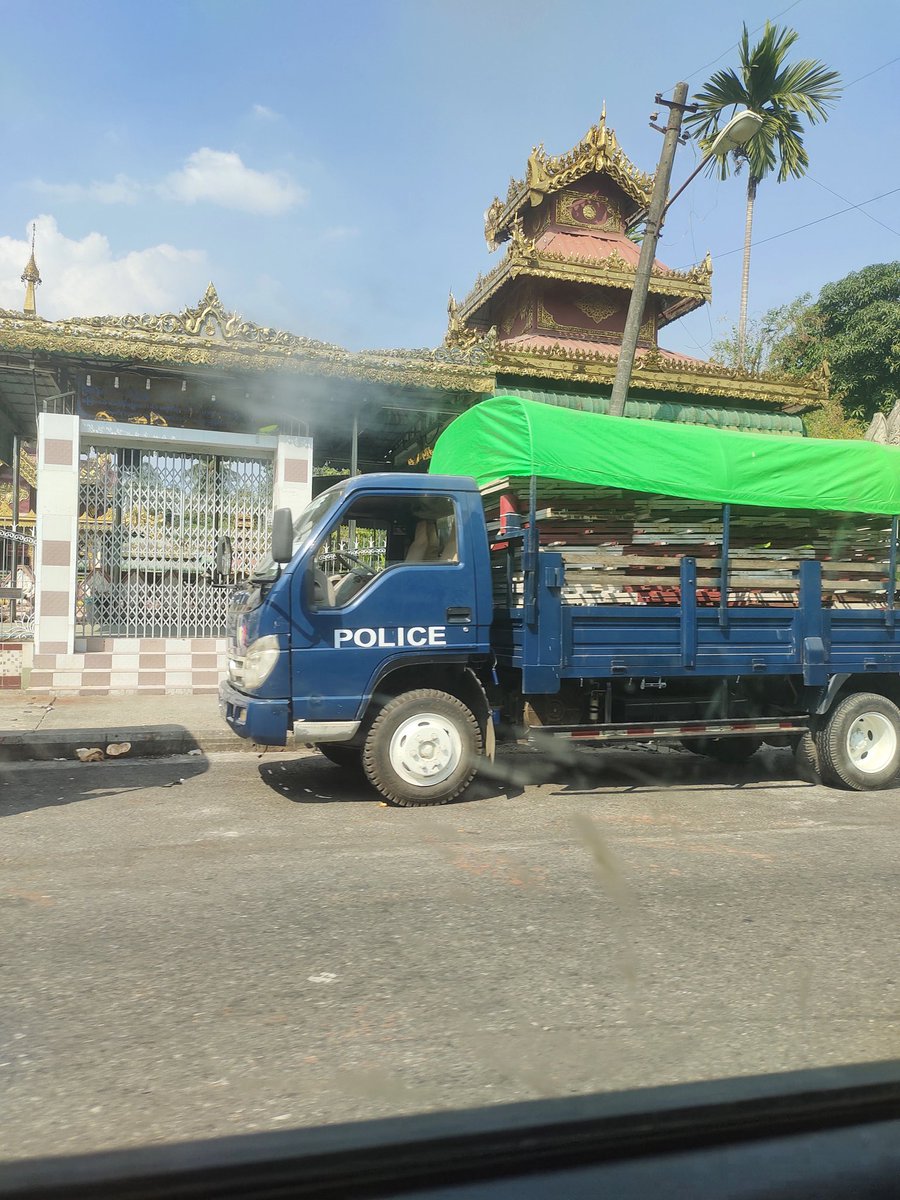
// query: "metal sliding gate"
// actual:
[[149, 524]]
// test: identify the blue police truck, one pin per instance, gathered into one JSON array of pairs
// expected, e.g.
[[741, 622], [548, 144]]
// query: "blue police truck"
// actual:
[[590, 577]]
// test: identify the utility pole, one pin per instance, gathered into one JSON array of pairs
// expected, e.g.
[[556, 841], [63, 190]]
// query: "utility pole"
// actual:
[[652, 229]]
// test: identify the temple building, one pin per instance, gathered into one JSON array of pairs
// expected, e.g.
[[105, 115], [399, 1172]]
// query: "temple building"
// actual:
[[553, 308], [135, 450]]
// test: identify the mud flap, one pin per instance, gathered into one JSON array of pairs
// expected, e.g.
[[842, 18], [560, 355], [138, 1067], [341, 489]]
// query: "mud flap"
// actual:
[[490, 738], [485, 717]]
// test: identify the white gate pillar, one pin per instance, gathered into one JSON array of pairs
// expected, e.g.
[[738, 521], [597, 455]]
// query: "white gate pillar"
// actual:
[[292, 485], [56, 549]]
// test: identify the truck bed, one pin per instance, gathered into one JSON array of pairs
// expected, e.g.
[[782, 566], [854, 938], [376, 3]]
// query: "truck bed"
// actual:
[[632, 585]]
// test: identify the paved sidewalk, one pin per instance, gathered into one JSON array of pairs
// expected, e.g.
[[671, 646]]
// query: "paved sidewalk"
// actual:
[[40, 726]]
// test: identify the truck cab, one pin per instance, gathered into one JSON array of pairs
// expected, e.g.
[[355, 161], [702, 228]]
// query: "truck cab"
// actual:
[[367, 632]]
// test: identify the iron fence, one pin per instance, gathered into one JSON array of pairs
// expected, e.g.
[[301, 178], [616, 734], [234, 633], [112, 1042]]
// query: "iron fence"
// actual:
[[16, 585], [149, 525]]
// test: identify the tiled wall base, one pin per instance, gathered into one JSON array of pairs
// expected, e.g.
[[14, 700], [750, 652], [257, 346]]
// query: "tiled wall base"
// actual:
[[121, 665], [15, 658]]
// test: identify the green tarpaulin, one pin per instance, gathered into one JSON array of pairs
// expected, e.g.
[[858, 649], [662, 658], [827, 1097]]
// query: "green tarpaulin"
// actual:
[[508, 436]]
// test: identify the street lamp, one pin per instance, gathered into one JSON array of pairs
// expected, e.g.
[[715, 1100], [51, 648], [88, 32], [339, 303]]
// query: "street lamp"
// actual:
[[739, 130]]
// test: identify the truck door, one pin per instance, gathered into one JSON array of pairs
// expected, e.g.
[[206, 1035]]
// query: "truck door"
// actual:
[[391, 582]]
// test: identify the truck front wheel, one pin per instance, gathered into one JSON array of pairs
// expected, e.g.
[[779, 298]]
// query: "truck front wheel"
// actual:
[[859, 745], [422, 748]]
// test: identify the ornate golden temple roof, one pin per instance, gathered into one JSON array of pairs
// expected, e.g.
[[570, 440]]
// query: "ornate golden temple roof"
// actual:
[[209, 335], [530, 256], [656, 371], [598, 150]]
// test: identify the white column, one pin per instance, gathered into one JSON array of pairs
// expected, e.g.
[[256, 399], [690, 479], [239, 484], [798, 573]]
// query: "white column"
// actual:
[[56, 533], [293, 473]]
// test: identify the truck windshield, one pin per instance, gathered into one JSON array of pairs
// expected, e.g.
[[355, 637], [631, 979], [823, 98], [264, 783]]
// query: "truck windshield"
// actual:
[[266, 569]]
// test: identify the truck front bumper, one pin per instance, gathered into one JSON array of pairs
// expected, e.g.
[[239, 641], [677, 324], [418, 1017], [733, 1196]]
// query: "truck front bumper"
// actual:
[[263, 721]]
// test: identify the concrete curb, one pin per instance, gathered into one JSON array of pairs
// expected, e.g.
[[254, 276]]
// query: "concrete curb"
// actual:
[[147, 741]]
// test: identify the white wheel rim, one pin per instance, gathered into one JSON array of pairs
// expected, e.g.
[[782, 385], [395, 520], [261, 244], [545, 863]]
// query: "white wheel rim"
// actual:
[[426, 749], [871, 742]]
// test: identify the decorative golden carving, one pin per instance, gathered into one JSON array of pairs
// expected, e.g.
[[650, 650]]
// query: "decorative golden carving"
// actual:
[[459, 336], [27, 468], [525, 258], [615, 271], [208, 336], [521, 248], [597, 311], [598, 151], [523, 313], [491, 218], [583, 208], [207, 322], [537, 177], [547, 320], [660, 373]]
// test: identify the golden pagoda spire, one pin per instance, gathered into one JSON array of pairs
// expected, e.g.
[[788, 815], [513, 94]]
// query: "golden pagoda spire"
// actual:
[[31, 276]]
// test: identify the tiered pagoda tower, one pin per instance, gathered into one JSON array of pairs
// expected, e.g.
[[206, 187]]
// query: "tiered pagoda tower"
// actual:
[[560, 293]]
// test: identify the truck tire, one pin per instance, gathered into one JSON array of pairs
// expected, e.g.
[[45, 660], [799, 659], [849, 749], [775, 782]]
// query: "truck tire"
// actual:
[[806, 759], [859, 744], [422, 748], [348, 758], [724, 749]]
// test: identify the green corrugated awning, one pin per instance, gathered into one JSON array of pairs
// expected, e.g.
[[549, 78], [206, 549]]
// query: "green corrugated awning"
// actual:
[[509, 437], [670, 409]]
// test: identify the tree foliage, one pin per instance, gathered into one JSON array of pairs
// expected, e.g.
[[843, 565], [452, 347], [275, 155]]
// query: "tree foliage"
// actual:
[[851, 331], [854, 328], [783, 94], [763, 334]]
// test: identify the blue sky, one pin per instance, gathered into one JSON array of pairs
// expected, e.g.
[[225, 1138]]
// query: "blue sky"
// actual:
[[328, 165]]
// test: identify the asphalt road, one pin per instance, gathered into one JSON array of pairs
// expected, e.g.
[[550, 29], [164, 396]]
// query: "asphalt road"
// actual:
[[264, 944]]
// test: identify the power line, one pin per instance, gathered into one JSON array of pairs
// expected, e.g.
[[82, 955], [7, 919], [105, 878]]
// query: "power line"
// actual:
[[846, 200], [797, 228], [860, 78], [736, 44]]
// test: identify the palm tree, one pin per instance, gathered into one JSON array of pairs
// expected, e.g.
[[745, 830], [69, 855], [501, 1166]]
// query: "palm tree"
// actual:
[[784, 94]]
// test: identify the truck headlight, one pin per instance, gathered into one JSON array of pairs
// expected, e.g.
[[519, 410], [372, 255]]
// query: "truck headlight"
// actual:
[[259, 661]]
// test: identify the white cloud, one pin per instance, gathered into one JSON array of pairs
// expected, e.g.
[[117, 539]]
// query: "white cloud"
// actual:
[[220, 177], [82, 277], [121, 190], [214, 176], [263, 113]]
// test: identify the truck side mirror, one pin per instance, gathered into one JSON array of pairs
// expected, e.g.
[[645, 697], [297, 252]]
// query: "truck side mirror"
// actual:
[[282, 536]]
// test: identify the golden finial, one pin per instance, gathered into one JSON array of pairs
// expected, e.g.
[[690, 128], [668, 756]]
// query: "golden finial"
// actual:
[[603, 113], [30, 277]]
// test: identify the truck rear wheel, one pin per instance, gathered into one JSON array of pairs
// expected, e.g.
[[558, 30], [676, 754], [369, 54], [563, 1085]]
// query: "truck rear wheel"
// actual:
[[422, 748], [859, 745]]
